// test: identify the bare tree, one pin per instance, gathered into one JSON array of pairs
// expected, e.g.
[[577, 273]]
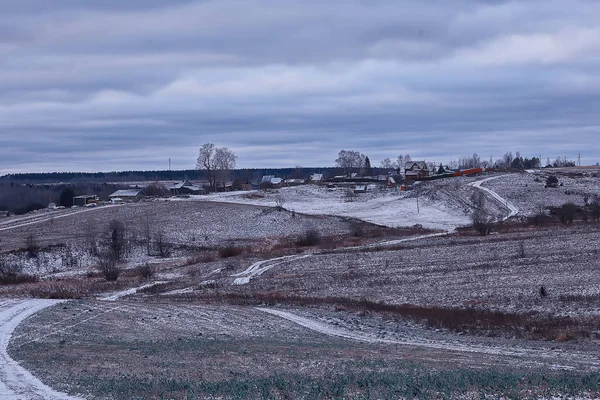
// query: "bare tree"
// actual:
[[215, 160], [402, 159], [206, 161], [225, 161], [350, 159], [163, 247], [387, 164]]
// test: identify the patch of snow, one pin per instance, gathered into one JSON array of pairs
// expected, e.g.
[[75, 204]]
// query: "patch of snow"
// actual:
[[260, 267], [128, 292]]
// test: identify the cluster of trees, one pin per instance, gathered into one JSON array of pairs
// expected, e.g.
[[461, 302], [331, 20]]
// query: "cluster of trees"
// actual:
[[23, 198], [510, 161], [217, 162], [396, 164], [355, 161]]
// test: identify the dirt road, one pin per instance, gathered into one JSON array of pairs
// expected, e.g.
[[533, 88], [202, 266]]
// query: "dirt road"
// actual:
[[15, 381]]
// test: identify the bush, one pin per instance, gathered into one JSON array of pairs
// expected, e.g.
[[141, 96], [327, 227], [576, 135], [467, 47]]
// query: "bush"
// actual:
[[31, 246], [540, 219], [552, 181], [108, 266], [145, 271], [357, 229], [230, 251], [312, 237], [10, 274], [567, 213]]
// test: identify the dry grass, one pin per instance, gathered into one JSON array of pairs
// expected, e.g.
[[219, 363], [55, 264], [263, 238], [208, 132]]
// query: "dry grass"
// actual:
[[534, 326]]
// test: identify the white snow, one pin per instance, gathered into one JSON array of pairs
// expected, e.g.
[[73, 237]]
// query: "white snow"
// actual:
[[512, 210], [389, 208], [260, 267], [15, 381], [123, 293]]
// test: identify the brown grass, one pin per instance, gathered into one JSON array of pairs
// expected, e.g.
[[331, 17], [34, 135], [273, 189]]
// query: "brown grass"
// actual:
[[534, 326]]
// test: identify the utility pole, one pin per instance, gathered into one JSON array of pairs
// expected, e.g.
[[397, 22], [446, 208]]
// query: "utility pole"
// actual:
[[579, 160]]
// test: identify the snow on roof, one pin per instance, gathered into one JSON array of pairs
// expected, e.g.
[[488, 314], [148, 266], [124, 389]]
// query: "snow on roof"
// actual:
[[419, 164], [187, 184], [127, 193], [271, 179], [316, 177]]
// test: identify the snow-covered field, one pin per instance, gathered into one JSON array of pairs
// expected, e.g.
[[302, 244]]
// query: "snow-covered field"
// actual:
[[174, 336], [391, 208], [526, 190]]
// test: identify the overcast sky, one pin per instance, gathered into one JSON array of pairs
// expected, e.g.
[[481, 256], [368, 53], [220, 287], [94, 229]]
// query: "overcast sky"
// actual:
[[127, 84]]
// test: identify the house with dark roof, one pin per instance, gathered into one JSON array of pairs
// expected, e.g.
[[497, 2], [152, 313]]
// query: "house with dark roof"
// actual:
[[271, 182], [414, 170], [185, 187]]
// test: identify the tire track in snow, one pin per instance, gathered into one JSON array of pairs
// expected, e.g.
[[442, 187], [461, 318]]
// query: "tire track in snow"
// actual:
[[123, 293], [15, 381], [522, 353], [512, 210], [53, 217], [260, 267], [394, 242]]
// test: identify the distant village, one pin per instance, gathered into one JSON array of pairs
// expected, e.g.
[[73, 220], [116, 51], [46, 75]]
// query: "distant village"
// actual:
[[357, 182]]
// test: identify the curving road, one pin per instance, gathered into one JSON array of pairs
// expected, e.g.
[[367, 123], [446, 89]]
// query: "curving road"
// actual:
[[512, 210], [15, 381]]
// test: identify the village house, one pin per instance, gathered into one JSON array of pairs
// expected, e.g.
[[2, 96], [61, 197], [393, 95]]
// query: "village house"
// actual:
[[127, 195], [414, 170], [185, 187], [271, 182]]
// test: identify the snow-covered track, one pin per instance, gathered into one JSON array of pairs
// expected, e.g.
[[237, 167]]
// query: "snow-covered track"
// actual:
[[512, 210], [552, 357], [15, 381], [260, 267]]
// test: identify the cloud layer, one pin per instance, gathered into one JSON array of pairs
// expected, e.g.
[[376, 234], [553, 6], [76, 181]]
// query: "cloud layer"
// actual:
[[127, 85]]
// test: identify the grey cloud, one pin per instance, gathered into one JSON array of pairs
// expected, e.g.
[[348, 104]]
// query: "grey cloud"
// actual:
[[128, 84]]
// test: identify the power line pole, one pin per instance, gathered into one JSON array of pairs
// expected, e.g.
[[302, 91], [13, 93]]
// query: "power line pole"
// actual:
[[579, 160]]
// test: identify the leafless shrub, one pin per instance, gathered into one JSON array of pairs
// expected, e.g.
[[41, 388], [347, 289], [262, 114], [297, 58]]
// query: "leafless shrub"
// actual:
[[312, 237], [32, 247], [540, 219], [521, 250], [357, 229], [108, 265], [543, 292], [117, 239], [10, 274], [230, 251], [567, 213], [163, 248], [145, 271]]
